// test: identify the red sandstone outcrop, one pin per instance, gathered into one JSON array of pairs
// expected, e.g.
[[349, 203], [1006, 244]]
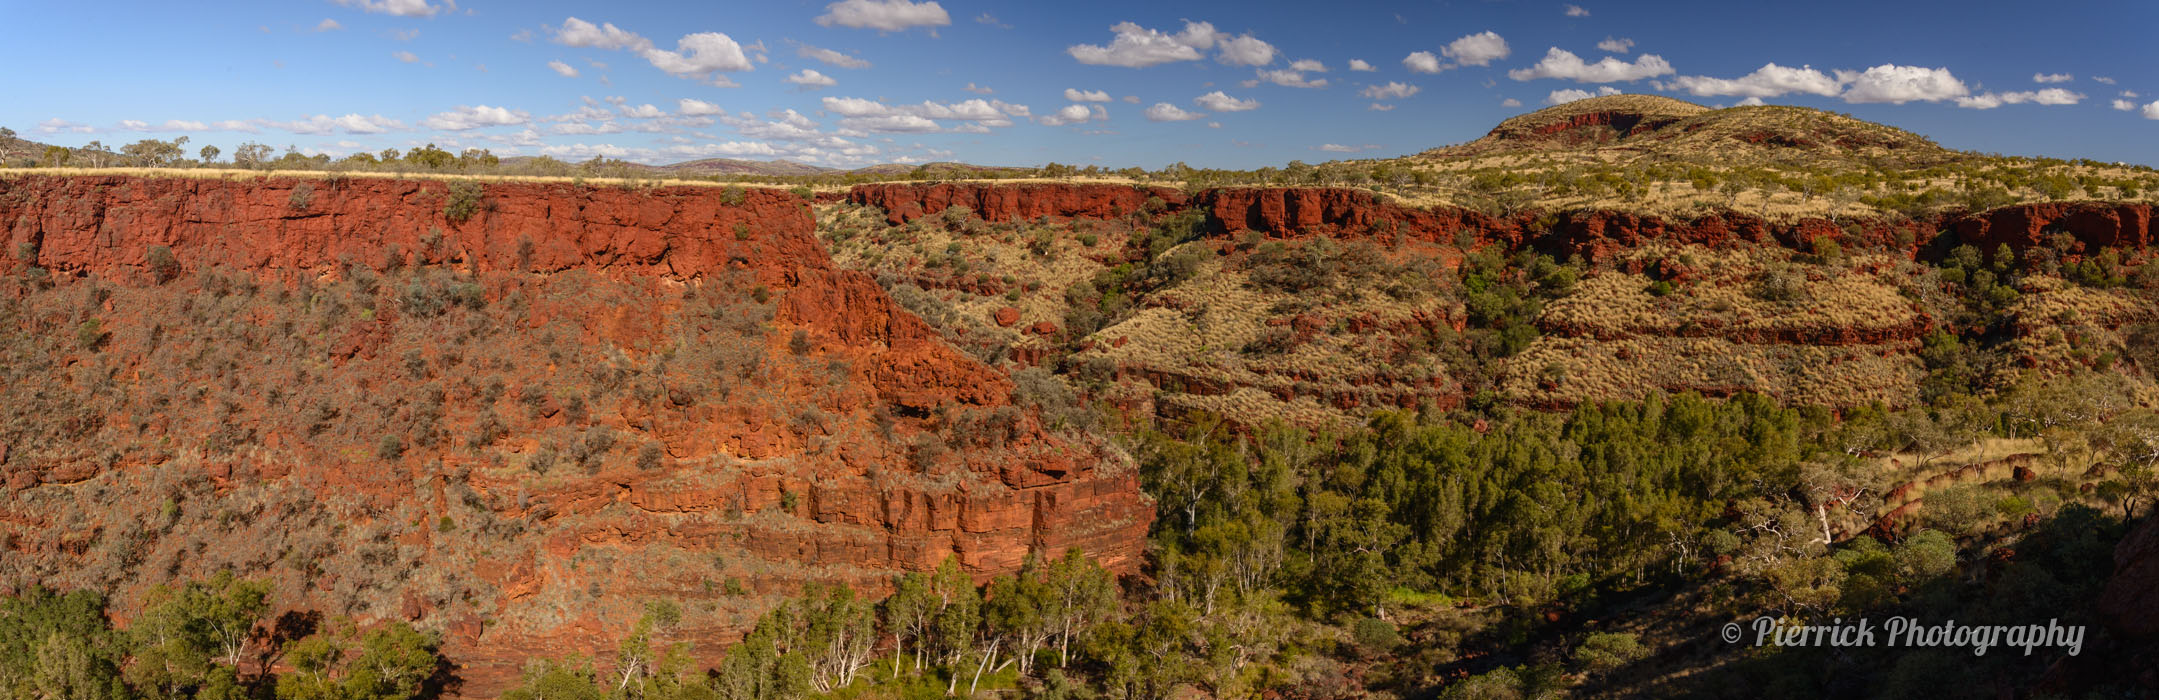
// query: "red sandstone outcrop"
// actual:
[[856, 512], [903, 202]]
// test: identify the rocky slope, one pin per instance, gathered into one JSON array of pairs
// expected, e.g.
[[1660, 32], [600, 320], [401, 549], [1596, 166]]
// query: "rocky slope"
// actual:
[[514, 428], [1716, 303]]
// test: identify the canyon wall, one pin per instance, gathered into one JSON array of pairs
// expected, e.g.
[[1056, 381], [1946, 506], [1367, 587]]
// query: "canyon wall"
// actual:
[[289, 312], [1290, 212]]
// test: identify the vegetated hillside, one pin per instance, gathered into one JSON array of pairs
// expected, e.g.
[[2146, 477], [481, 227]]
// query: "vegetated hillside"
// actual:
[[1316, 306], [514, 413]]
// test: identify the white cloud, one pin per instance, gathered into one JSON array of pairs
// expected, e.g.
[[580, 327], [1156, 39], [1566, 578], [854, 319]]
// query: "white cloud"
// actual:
[[1422, 62], [329, 25], [402, 8], [1751, 102], [1616, 45], [1221, 102], [1166, 112], [643, 111], [1479, 49], [464, 118], [863, 115], [2052, 77], [2151, 111], [1074, 114], [350, 123], [1138, 47], [812, 80], [1287, 78], [2102, 79], [1560, 63], [2129, 94], [57, 125], [697, 108], [1510, 102], [406, 56], [1358, 64], [702, 55], [978, 89], [1308, 65], [830, 57], [564, 69], [1576, 11], [1770, 80], [2048, 96], [1560, 97], [1339, 148], [1131, 99], [990, 19], [891, 123], [1244, 50], [1389, 91], [884, 15], [580, 33], [1381, 107], [2124, 105], [1900, 84]]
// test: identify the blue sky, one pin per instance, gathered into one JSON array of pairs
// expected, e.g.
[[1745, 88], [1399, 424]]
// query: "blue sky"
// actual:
[[1211, 84]]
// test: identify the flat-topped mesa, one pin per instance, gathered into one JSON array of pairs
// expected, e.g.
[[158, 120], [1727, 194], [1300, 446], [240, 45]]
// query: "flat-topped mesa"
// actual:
[[661, 393]]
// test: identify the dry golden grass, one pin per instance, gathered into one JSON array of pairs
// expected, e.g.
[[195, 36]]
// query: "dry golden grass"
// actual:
[[1860, 293], [1565, 371]]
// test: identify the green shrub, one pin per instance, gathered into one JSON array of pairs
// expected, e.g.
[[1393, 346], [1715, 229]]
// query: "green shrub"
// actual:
[[732, 196], [303, 195], [463, 202], [1605, 651], [162, 265]]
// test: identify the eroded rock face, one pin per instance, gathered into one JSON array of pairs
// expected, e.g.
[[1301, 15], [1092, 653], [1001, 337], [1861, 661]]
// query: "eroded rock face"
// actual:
[[831, 457], [903, 202], [2130, 601], [2093, 224]]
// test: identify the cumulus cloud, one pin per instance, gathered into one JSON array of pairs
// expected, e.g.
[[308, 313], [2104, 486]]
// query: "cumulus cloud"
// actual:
[[830, 57], [1560, 63], [1751, 102], [329, 25], [1576, 11], [2124, 105], [2151, 111], [812, 80], [863, 115], [1422, 62], [1074, 114], [406, 56], [2048, 96], [1222, 102], [1616, 45], [1479, 49], [1770, 80], [1339, 148], [1286, 78], [1138, 47], [1245, 50], [2052, 77], [401, 8], [564, 69], [1073, 95], [1900, 84], [2102, 80], [350, 123], [1308, 65], [699, 56], [1560, 97], [1389, 91], [978, 89], [1358, 64], [697, 108], [884, 15], [1166, 112], [1510, 102], [465, 118], [643, 111]]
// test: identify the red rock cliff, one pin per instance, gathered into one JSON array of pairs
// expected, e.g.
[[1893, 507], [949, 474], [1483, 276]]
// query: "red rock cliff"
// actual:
[[836, 462]]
